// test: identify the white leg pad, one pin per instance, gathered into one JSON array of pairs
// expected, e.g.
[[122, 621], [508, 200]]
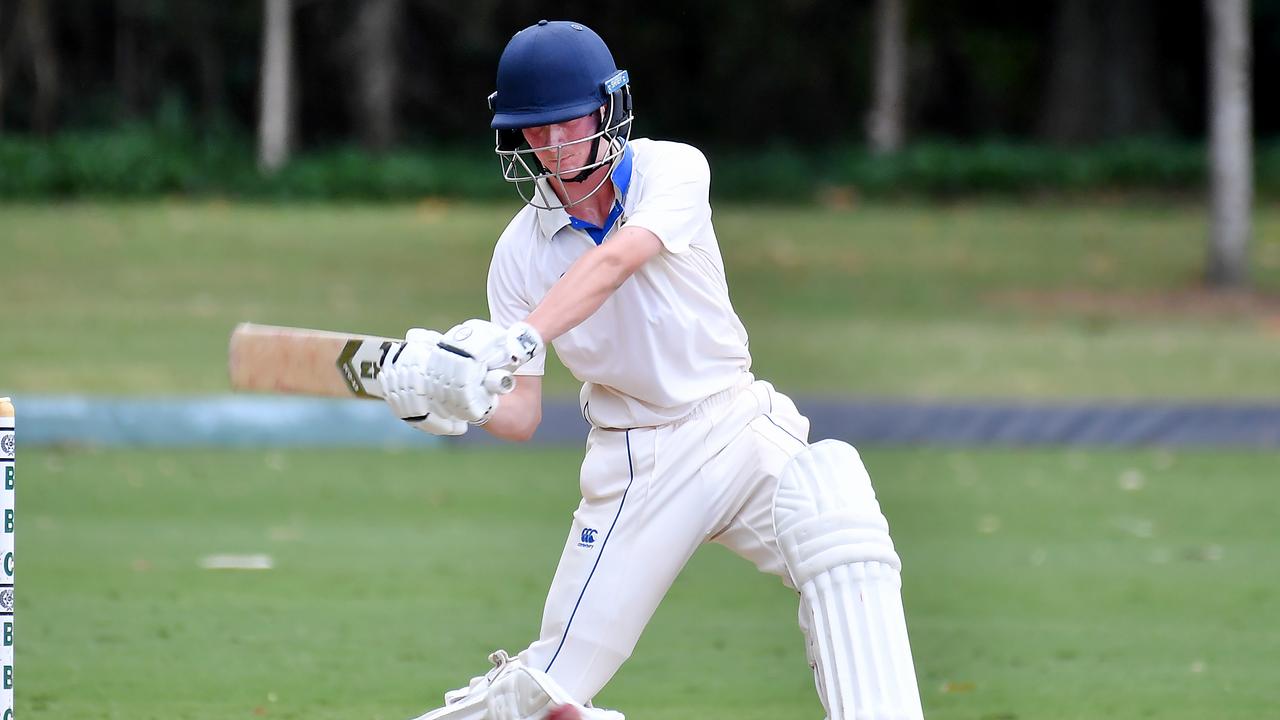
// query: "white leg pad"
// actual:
[[529, 694], [835, 542]]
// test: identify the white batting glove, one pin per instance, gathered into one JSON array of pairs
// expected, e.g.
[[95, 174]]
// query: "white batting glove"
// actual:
[[406, 389], [494, 346], [462, 370], [457, 384]]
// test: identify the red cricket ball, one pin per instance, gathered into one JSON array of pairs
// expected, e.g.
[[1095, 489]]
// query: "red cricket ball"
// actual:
[[564, 712]]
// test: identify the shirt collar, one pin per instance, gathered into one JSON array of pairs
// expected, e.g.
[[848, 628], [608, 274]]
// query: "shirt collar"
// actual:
[[553, 221], [622, 174]]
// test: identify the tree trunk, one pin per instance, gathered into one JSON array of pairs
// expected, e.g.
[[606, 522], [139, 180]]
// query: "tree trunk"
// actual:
[[886, 129], [212, 78], [44, 65], [1129, 80], [1230, 142], [1102, 72], [4, 59], [377, 71], [202, 31], [1072, 108], [127, 71], [275, 119]]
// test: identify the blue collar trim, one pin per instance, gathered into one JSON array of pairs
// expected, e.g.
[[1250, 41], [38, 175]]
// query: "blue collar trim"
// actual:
[[622, 173], [621, 177]]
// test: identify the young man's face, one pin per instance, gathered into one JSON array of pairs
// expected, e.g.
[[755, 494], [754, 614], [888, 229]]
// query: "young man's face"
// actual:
[[574, 156]]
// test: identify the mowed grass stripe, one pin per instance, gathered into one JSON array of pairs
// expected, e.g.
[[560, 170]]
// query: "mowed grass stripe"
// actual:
[[965, 300]]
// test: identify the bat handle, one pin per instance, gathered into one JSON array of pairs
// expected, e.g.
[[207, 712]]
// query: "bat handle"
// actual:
[[499, 382]]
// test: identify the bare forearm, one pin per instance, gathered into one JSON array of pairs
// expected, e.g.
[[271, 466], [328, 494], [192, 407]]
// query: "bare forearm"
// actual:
[[578, 294], [591, 279], [518, 414]]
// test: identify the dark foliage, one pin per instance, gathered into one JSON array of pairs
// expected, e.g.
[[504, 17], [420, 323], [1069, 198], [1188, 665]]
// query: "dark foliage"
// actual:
[[139, 161], [740, 74]]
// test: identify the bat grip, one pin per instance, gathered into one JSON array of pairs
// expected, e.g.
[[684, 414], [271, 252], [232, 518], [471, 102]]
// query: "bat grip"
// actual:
[[499, 382]]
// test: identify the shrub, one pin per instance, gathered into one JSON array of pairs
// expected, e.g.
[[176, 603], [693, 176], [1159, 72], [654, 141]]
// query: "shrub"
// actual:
[[147, 161]]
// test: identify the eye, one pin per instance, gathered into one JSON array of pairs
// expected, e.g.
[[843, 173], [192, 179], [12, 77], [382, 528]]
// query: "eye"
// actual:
[[535, 136]]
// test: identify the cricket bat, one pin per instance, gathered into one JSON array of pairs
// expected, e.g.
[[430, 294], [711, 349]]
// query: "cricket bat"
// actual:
[[298, 361]]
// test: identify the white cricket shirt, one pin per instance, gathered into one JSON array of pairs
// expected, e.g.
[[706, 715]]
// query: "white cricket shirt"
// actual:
[[668, 337]]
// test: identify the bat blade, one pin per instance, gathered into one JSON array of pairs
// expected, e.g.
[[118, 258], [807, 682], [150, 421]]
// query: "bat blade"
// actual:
[[274, 359]]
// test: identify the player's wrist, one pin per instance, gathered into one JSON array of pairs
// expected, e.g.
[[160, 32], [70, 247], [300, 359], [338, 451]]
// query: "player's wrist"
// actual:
[[487, 415], [524, 343]]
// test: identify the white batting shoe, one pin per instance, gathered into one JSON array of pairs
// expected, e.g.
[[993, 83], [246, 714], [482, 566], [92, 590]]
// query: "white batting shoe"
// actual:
[[527, 694], [468, 703]]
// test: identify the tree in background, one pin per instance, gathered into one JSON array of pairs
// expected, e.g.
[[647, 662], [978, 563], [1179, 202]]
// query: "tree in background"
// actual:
[[1129, 79], [199, 31], [374, 41], [31, 44], [4, 57], [417, 71], [1230, 142], [129, 62], [887, 120], [275, 120], [1101, 79]]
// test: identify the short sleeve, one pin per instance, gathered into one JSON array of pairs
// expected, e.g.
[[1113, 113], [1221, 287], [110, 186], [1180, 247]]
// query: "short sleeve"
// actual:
[[508, 301], [675, 202]]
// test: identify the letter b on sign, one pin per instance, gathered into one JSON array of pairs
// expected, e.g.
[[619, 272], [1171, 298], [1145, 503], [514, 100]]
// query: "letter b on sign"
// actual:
[[8, 633], [8, 477]]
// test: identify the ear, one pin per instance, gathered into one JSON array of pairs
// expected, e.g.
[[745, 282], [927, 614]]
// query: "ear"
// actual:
[[510, 139]]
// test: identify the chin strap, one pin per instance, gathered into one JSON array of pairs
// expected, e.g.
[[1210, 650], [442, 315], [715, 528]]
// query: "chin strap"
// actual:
[[595, 147]]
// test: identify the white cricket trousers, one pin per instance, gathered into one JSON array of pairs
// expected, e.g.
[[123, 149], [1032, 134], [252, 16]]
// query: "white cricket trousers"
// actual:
[[650, 497]]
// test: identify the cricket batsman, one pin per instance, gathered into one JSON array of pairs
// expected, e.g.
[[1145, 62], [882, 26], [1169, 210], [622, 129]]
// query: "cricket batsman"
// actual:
[[614, 261]]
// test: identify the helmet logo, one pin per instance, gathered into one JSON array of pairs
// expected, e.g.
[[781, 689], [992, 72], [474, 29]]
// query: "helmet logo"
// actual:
[[616, 81], [576, 26]]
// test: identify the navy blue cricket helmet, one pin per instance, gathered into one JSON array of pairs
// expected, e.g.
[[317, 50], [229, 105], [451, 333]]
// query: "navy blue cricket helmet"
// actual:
[[552, 72]]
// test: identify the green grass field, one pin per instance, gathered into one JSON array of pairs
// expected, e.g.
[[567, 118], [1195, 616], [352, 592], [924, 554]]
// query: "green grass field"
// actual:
[[967, 300], [1038, 584]]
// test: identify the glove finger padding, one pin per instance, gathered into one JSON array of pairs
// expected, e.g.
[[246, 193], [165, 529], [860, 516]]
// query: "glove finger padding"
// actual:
[[423, 336], [438, 424], [457, 386], [406, 389], [401, 381]]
